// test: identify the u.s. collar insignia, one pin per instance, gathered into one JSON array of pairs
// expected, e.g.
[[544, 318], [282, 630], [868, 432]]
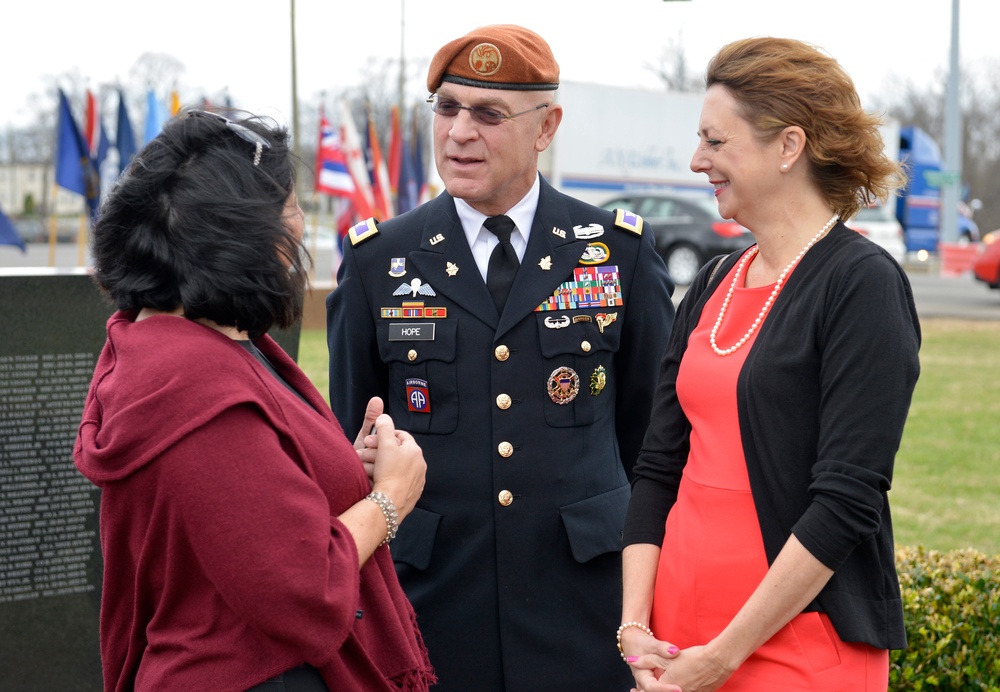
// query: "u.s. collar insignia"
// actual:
[[563, 385], [545, 263], [594, 230], [437, 239], [451, 268], [559, 232], [361, 232], [628, 220], [397, 267], [595, 253], [414, 288]]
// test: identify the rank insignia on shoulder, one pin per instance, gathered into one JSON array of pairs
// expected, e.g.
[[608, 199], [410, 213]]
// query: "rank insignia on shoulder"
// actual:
[[628, 220], [361, 232]]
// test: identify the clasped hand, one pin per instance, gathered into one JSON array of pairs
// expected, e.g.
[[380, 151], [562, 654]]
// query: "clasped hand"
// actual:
[[392, 459], [661, 667]]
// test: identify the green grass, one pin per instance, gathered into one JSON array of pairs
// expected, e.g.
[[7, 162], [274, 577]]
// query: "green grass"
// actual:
[[946, 491]]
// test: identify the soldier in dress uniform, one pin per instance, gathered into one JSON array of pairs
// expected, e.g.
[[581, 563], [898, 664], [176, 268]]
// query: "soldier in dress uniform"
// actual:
[[525, 368]]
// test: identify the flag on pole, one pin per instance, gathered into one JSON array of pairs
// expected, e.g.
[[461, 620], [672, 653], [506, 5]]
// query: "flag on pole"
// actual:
[[9, 234], [90, 122], [332, 177], [74, 168], [350, 139], [175, 102], [395, 152], [381, 189], [156, 116], [408, 196], [125, 138], [419, 172]]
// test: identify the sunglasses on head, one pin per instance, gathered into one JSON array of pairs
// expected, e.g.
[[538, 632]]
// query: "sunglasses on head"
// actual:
[[449, 108], [241, 131]]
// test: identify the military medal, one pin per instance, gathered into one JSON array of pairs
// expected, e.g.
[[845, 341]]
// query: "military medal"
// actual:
[[563, 385], [603, 319], [598, 379]]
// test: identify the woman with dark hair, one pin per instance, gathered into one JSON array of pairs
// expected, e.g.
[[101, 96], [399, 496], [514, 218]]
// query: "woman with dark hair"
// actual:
[[244, 537], [759, 551]]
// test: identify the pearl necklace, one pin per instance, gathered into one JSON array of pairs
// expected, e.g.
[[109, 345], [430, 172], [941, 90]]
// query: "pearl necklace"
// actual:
[[747, 258]]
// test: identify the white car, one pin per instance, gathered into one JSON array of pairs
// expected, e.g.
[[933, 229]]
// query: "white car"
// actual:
[[879, 225]]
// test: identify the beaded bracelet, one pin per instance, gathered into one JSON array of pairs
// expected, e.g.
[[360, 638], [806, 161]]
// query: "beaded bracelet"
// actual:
[[624, 626], [388, 511]]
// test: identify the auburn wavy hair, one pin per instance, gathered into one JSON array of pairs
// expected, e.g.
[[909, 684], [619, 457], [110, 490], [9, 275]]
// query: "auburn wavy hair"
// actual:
[[781, 82]]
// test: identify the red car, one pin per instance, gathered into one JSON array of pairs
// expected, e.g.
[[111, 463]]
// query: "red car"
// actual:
[[986, 268]]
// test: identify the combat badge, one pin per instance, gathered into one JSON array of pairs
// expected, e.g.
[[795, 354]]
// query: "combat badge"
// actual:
[[563, 385], [557, 323], [417, 398], [594, 230], [598, 379]]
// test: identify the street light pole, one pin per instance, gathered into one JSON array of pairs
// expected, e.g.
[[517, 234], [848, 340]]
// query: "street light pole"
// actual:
[[952, 141]]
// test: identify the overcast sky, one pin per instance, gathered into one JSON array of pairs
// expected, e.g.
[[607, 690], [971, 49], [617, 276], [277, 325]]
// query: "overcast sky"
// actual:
[[245, 46]]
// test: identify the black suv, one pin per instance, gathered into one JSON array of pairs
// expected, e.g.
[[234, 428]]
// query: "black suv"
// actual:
[[688, 229]]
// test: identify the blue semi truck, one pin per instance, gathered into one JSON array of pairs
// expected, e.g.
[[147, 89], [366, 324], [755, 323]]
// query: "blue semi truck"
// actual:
[[918, 206]]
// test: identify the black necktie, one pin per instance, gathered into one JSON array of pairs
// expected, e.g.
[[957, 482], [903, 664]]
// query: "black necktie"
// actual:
[[503, 262]]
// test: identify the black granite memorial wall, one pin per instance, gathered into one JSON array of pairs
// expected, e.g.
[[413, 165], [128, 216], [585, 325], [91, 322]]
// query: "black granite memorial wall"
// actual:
[[52, 328]]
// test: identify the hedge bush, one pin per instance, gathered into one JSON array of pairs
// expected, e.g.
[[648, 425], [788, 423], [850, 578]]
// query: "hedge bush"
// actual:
[[952, 606]]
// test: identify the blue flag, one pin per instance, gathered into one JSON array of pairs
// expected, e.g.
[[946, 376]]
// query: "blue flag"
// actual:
[[75, 170], [9, 234], [156, 116], [409, 189], [125, 139]]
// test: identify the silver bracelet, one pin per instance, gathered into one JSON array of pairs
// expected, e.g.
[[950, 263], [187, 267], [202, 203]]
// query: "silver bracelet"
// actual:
[[388, 511]]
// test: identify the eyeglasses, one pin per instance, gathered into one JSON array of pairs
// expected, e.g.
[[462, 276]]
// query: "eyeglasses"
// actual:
[[448, 108], [241, 131]]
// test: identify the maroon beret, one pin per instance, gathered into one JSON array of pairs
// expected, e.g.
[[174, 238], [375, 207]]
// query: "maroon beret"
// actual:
[[501, 56]]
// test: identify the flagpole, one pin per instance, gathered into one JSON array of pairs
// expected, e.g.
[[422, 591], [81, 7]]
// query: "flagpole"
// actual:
[[52, 226]]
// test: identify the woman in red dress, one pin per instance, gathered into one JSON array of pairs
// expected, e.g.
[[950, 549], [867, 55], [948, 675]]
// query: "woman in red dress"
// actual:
[[759, 551]]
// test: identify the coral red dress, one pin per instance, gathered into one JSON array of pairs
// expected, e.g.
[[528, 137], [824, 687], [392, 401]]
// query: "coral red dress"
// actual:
[[713, 553]]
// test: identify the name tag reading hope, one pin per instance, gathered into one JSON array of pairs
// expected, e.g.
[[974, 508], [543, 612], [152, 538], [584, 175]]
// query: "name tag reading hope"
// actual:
[[411, 331]]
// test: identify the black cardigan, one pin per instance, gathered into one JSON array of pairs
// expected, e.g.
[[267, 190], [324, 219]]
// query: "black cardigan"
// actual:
[[822, 400]]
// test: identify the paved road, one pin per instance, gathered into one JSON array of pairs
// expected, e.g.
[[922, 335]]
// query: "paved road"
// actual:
[[958, 297]]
